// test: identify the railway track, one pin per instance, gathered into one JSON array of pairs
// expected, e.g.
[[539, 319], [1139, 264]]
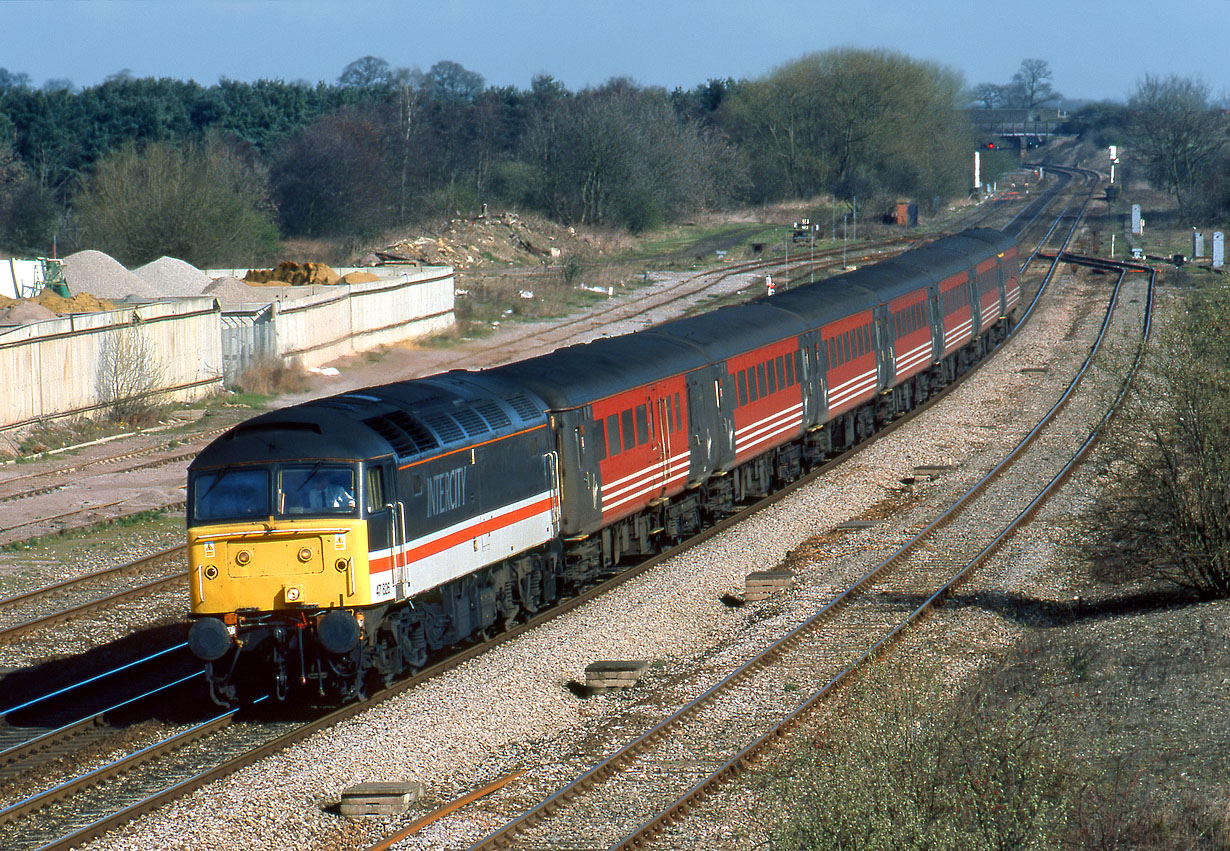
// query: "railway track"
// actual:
[[217, 746], [644, 788], [30, 611]]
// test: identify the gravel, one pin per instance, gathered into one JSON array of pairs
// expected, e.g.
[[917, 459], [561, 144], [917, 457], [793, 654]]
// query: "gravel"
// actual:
[[173, 277], [230, 290], [445, 735], [103, 276]]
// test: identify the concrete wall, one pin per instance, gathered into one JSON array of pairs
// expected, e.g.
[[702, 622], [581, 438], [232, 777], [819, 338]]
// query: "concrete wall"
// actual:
[[55, 368], [322, 324]]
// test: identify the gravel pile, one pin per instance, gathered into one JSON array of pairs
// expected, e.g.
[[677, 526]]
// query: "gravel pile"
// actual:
[[102, 275], [512, 707], [230, 290], [173, 277]]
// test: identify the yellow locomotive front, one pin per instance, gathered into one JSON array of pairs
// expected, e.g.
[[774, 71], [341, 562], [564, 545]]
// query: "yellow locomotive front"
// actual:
[[279, 554], [309, 552]]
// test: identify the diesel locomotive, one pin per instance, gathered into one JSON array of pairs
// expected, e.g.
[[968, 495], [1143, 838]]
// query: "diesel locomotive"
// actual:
[[333, 545]]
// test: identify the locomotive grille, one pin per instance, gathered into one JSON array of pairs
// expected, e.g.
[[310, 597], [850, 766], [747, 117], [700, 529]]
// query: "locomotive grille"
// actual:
[[525, 409]]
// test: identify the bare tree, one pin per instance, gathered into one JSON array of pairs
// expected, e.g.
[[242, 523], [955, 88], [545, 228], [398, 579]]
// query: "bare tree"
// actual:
[[1176, 133], [1031, 85], [453, 81], [989, 95], [366, 72], [130, 375]]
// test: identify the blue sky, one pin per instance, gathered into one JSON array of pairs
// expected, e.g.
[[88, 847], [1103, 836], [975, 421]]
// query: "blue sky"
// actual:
[[1100, 51]]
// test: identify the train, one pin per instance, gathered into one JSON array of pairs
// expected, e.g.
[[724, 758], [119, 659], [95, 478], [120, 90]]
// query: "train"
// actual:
[[335, 545]]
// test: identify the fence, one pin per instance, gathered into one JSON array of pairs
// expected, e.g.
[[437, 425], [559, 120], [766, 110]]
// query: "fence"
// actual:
[[64, 367], [325, 323]]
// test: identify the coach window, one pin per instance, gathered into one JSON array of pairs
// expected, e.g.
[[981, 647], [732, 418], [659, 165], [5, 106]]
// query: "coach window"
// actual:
[[642, 425], [669, 425], [600, 439], [771, 376], [752, 395], [788, 360], [781, 372], [612, 428], [742, 387], [629, 429], [761, 385], [678, 413]]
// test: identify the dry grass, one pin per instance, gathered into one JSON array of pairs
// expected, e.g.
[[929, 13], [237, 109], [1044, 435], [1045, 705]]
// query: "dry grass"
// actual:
[[272, 377]]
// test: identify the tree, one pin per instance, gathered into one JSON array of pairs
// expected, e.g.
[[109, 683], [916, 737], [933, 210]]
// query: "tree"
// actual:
[[1031, 85], [366, 72], [453, 81], [13, 80], [848, 121], [989, 95], [1176, 134], [334, 177], [203, 202], [1166, 512]]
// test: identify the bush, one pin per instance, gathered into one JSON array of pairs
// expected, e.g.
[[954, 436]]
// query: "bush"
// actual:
[[130, 378], [272, 376], [982, 772], [204, 203], [1165, 515]]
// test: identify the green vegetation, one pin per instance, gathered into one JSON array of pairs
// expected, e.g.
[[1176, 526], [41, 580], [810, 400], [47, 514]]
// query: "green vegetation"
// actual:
[[1052, 747], [386, 148], [1166, 513], [155, 517]]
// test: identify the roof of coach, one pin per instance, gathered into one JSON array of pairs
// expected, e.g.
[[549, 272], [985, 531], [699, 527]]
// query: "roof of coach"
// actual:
[[733, 330], [578, 375], [825, 301], [409, 419]]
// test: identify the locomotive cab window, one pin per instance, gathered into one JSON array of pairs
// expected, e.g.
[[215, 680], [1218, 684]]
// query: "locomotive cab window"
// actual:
[[231, 495], [315, 489], [374, 497]]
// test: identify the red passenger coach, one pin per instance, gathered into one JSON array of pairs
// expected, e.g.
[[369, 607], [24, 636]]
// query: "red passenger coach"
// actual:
[[768, 385], [912, 349], [642, 446], [852, 367]]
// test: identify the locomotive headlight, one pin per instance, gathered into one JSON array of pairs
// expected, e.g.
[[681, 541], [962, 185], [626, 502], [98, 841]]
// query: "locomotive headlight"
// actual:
[[243, 557], [305, 554], [292, 593], [211, 572]]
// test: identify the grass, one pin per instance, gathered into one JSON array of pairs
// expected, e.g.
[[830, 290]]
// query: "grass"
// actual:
[[141, 521], [1087, 734]]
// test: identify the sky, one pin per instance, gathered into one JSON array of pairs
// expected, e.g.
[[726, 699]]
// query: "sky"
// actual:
[[1097, 49]]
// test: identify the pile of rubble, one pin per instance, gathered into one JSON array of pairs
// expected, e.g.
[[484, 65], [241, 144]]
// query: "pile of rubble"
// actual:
[[506, 239]]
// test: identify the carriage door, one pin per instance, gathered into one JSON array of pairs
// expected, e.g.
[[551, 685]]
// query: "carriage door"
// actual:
[[386, 528], [665, 417]]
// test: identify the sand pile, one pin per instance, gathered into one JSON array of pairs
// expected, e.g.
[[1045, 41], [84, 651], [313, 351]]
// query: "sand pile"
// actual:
[[173, 277], [102, 275], [359, 278], [230, 291], [79, 303], [295, 274]]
